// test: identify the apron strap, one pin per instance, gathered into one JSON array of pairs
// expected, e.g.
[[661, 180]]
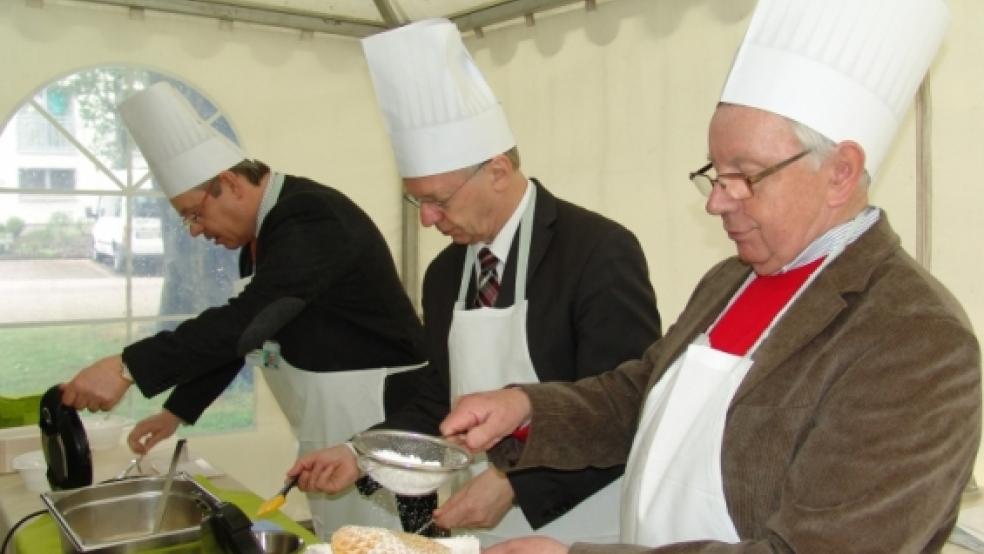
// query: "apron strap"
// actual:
[[522, 257], [525, 238], [404, 369]]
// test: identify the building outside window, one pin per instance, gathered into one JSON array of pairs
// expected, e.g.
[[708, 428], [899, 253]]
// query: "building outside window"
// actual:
[[92, 256], [46, 178]]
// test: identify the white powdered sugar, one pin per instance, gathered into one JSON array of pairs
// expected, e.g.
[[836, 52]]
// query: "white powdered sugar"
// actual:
[[403, 480], [409, 459]]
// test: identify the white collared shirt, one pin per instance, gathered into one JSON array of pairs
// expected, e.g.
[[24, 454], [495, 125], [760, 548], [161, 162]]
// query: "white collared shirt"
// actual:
[[270, 196], [503, 241]]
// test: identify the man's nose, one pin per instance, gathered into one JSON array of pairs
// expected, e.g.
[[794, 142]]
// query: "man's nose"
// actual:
[[195, 229], [429, 215], [719, 201]]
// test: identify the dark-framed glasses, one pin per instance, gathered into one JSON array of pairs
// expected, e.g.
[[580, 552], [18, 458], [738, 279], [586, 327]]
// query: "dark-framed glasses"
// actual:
[[192, 218], [737, 185], [442, 203]]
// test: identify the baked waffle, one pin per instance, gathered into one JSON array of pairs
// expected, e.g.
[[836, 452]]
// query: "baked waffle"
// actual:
[[353, 539]]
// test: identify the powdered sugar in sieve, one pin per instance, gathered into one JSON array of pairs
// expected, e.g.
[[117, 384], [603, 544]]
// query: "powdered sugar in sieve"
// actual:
[[408, 463]]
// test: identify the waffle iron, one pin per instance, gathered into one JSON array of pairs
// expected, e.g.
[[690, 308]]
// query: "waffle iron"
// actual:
[[64, 442]]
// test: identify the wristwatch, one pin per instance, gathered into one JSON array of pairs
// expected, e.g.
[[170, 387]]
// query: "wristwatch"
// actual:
[[125, 372]]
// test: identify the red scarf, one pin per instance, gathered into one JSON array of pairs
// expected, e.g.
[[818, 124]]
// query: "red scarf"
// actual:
[[755, 308]]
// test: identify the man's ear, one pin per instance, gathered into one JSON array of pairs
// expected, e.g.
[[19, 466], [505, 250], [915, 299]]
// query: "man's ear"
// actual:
[[230, 181], [501, 168], [846, 167]]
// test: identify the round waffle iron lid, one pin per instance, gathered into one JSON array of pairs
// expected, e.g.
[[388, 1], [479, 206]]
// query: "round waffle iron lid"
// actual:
[[64, 442]]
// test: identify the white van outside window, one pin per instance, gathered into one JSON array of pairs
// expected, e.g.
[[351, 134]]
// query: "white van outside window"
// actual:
[[109, 233]]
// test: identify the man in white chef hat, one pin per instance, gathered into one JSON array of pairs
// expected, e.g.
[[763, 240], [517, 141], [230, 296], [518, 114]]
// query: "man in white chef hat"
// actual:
[[322, 298], [820, 392], [532, 289]]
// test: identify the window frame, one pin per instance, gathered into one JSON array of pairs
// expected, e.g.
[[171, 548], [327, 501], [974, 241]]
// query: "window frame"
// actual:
[[133, 186]]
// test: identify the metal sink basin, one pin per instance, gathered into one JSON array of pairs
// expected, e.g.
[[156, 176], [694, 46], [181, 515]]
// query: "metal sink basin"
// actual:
[[118, 516]]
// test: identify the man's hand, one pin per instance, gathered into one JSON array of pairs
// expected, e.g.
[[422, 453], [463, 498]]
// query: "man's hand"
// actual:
[[330, 470], [480, 504], [152, 430], [528, 545], [485, 418], [98, 387]]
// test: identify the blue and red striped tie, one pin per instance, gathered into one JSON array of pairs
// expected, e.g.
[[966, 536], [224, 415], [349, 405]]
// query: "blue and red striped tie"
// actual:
[[488, 279]]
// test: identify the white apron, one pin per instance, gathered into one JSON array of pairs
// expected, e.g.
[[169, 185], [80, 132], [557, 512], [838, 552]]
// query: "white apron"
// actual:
[[325, 409], [487, 350], [674, 490]]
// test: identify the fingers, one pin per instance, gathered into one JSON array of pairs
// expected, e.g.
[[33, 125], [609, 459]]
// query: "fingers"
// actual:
[[457, 439], [135, 441], [150, 431], [330, 470], [461, 418], [154, 438], [301, 465], [481, 438], [323, 478], [480, 504], [136, 437], [98, 387], [68, 394], [528, 545], [458, 512], [485, 418]]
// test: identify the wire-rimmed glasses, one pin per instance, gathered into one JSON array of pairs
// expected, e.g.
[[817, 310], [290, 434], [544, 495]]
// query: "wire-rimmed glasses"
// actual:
[[442, 203], [737, 185]]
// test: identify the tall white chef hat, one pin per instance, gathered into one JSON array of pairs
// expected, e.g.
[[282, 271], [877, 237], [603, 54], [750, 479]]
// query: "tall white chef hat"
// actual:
[[440, 113], [182, 150], [847, 68]]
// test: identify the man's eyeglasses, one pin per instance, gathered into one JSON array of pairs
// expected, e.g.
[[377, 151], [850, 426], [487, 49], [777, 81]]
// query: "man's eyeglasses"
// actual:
[[442, 203], [191, 218], [737, 185]]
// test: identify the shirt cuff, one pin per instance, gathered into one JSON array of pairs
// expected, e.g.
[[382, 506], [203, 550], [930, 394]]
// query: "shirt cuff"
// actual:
[[522, 432]]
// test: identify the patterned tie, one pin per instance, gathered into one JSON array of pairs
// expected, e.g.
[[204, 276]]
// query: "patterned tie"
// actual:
[[488, 279]]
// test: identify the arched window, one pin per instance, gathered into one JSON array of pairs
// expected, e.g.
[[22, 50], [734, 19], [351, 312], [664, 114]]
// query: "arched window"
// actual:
[[92, 256]]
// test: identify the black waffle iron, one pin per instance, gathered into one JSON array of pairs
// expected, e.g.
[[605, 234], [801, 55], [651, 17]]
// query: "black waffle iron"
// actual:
[[65, 445]]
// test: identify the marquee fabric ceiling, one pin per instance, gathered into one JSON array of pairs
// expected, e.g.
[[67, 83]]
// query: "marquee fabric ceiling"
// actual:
[[357, 18]]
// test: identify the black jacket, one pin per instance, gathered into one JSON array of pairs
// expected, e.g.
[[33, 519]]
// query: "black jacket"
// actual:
[[591, 307], [325, 287]]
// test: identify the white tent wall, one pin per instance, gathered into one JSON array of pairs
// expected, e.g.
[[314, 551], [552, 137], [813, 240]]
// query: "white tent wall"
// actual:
[[610, 109]]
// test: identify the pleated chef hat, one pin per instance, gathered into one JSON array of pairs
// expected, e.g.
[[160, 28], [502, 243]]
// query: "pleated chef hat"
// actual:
[[847, 68], [440, 113], [182, 150]]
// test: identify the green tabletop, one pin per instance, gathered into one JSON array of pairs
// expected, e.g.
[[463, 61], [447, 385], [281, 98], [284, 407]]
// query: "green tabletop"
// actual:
[[41, 536]]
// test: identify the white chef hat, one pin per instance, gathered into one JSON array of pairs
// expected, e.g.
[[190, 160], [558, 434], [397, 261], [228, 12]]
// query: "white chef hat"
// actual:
[[846, 68], [440, 113], [182, 150]]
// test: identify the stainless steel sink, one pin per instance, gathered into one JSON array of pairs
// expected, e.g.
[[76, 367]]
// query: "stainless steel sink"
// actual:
[[118, 516]]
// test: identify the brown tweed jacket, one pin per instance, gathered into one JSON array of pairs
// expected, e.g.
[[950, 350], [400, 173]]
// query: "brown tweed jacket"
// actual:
[[855, 430]]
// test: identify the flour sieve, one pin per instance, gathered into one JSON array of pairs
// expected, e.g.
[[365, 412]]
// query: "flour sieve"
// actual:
[[407, 463]]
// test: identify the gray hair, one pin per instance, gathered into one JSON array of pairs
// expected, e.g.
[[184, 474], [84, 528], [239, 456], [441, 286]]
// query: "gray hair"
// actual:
[[252, 170], [512, 154], [819, 145]]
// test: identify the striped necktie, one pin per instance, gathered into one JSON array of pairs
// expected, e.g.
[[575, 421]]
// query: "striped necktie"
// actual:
[[488, 279]]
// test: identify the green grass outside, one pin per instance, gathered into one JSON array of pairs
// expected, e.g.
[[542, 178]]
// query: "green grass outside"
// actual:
[[34, 359]]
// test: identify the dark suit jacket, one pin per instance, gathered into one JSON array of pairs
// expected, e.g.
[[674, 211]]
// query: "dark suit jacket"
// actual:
[[591, 306], [325, 287], [855, 430]]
